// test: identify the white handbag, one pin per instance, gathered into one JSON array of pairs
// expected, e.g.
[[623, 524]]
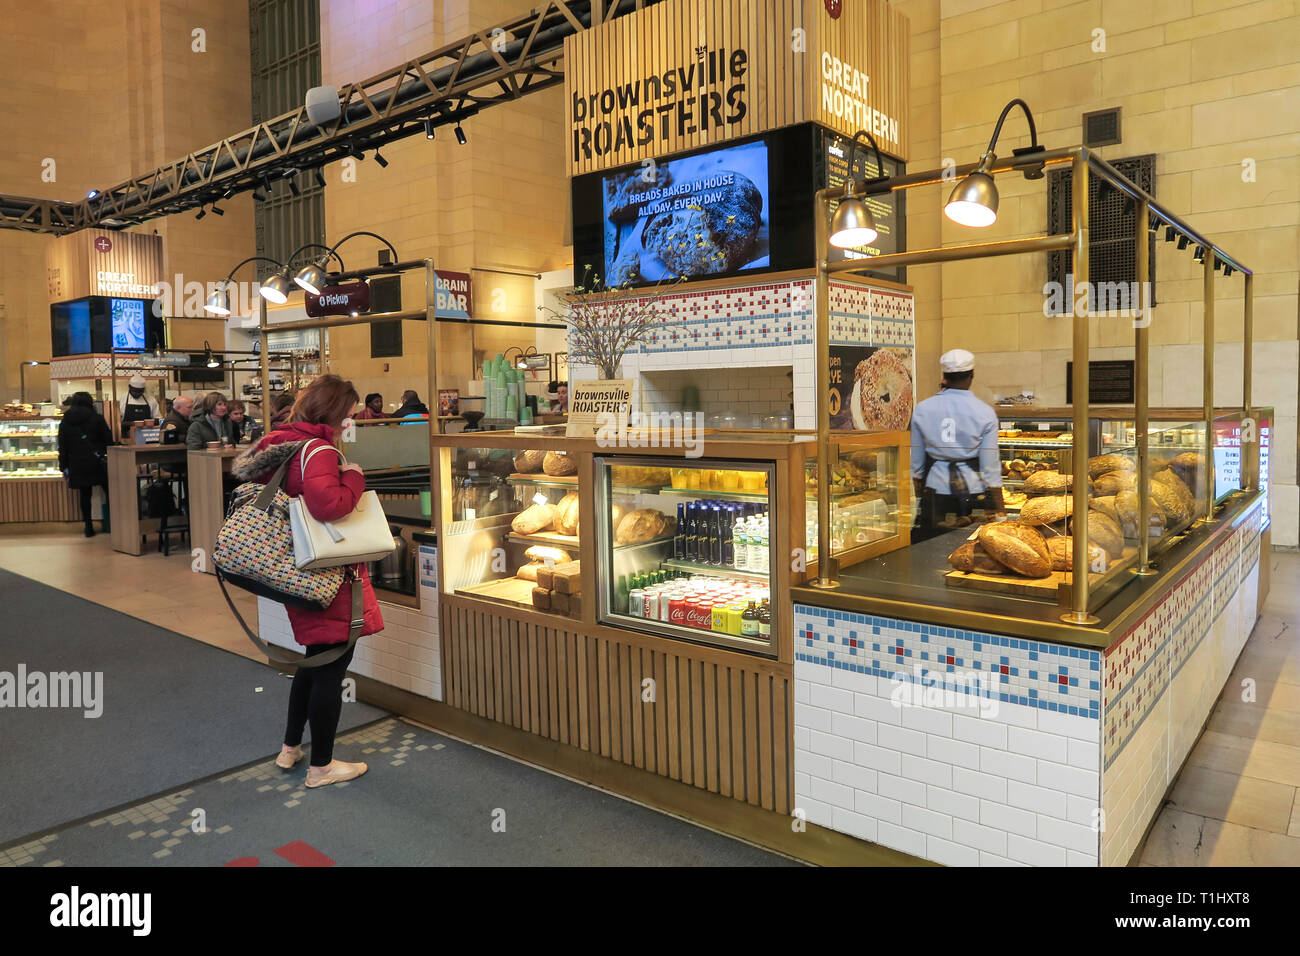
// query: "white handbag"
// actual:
[[363, 535]]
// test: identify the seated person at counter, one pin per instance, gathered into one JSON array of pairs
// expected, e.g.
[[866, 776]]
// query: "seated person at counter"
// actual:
[[411, 405], [281, 408], [246, 431], [955, 463], [178, 419], [210, 422], [374, 408]]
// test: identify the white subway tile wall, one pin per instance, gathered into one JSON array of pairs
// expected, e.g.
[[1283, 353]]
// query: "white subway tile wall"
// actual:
[[973, 779]]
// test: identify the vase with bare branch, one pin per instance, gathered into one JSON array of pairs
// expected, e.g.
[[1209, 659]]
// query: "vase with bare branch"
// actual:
[[605, 321]]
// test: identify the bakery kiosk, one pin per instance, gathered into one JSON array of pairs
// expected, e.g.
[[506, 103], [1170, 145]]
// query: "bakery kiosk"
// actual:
[[31, 486]]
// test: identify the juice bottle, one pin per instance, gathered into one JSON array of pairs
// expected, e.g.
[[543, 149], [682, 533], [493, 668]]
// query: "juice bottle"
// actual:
[[749, 621]]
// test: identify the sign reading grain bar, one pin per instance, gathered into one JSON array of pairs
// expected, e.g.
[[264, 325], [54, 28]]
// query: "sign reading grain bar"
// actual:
[[592, 403], [691, 73], [1109, 383]]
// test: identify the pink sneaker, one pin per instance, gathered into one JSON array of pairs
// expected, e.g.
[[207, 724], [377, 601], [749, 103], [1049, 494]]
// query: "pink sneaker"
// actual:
[[336, 772]]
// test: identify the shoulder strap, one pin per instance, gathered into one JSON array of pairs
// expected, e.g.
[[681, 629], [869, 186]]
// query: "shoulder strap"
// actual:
[[321, 447], [356, 622]]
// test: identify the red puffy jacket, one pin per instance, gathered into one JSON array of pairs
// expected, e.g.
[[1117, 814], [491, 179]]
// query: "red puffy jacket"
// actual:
[[329, 494]]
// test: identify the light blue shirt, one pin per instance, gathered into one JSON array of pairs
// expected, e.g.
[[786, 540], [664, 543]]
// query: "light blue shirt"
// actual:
[[954, 426]]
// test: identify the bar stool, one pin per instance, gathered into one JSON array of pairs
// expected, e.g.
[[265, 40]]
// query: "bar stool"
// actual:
[[177, 521]]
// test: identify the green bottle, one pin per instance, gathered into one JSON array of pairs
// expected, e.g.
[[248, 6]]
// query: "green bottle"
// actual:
[[620, 595]]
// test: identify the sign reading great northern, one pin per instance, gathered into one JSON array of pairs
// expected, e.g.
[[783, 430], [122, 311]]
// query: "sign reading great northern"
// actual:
[[692, 73]]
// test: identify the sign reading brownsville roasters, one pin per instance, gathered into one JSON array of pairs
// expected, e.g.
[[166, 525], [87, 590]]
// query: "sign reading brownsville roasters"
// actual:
[[692, 73]]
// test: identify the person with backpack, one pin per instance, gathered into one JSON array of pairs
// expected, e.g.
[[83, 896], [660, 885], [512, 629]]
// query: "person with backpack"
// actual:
[[83, 440], [329, 492]]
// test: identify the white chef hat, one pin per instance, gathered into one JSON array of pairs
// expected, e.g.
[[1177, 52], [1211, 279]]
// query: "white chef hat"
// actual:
[[958, 360], [137, 381]]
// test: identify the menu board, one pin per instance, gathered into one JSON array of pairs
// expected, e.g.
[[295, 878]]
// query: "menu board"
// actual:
[[835, 152]]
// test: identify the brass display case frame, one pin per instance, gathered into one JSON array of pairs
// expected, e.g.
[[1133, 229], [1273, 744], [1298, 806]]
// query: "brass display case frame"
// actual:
[[1083, 164]]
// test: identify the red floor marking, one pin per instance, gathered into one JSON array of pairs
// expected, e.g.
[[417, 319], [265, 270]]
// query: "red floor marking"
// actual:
[[303, 854], [242, 861]]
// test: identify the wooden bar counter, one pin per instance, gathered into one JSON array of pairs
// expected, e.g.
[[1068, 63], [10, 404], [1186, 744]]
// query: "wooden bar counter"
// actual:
[[208, 469], [129, 530]]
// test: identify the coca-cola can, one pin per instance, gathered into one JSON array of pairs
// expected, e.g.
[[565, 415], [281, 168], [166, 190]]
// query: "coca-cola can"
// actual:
[[651, 605], [677, 608], [636, 602]]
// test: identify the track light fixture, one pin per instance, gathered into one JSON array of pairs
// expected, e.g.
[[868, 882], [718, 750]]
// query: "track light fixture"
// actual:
[[1169, 234], [228, 193], [202, 212], [975, 200], [1153, 224], [92, 194], [210, 360], [1227, 270], [428, 128], [293, 186], [259, 196], [320, 177], [460, 135], [354, 152], [852, 225], [219, 212], [1182, 242], [1199, 254], [383, 163], [311, 277]]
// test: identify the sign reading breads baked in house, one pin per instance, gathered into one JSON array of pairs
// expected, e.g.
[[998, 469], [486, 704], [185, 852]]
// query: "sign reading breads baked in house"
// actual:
[[594, 405], [690, 73]]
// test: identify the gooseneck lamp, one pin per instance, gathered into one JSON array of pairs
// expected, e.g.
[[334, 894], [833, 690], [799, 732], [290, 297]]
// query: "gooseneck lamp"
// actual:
[[219, 301], [975, 200], [312, 276], [276, 289], [852, 225]]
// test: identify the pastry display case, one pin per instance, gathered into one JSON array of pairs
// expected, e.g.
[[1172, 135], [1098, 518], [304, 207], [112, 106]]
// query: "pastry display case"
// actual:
[[685, 548], [29, 448], [871, 500], [1028, 445]]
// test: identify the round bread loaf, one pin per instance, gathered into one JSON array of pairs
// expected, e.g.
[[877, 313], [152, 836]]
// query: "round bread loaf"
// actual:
[[1168, 478], [1018, 547], [1114, 482], [972, 557], [1126, 506], [557, 464], [1048, 483], [1045, 510], [1104, 463], [1106, 505], [1188, 466], [1170, 502], [1104, 531], [529, 461], [1061, 550]]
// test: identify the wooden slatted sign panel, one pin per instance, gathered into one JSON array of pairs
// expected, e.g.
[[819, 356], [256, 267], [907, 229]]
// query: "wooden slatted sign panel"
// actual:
[[722, 727], [38, 499], [692, 73], [103, 262]]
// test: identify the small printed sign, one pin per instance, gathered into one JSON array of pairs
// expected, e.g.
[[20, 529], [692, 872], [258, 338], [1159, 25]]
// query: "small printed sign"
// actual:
[[588, 401]]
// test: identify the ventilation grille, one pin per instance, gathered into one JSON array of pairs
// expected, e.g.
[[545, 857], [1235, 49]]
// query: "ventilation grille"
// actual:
[[1101, 128], [1112, 218]]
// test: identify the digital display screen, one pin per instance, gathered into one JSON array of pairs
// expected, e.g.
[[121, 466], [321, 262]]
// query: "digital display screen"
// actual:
[[704, 214], [127, 323]]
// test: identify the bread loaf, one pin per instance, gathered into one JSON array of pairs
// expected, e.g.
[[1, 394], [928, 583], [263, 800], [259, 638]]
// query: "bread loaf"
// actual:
[[529, 461], [567, 578], [529, 572], [1061, 550], [1186, 503], [1106, 505], [1126, 506], [1114, 482], [566, 514], [1188, 466], [541, 598], [559, 602], [534, 519], [1018, 547], [1176, 511], [546, 554], [637, 477], [1105, 463], [557, 464], [1048, 483], [972, 557], [1104, 531], [644, 524], [1045, 510]]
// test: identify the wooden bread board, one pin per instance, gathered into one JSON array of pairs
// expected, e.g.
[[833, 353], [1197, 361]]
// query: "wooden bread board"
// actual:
[[1010, 583]]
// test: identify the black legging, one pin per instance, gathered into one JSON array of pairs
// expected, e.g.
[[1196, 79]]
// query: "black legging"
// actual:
[[317, 696], [85, 502]]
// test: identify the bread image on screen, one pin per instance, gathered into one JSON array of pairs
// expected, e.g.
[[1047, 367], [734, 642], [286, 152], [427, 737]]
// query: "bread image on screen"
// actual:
[[717, 236], [882, 391]]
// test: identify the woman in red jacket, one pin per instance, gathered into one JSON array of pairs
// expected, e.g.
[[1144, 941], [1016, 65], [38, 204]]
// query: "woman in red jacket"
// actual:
[[330, 492]]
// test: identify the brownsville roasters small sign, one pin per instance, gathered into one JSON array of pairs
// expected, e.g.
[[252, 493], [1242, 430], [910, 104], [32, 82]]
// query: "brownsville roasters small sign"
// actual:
[[339, 299]]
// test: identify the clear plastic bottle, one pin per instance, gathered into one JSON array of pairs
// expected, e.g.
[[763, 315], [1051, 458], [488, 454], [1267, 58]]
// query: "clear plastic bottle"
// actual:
[[740, 545]]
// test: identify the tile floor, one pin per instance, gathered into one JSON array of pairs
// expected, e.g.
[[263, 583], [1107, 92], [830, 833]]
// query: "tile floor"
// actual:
[[1236, 803]]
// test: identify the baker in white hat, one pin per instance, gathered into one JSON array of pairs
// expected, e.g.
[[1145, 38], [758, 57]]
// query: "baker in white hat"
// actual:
[[138, 406], [955, 464]]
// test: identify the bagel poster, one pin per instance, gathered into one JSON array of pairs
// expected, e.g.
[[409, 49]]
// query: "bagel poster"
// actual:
[[871, 388]]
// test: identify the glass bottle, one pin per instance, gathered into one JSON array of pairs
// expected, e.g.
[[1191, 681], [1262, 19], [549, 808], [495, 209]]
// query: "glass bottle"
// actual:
[[749, 621], [765, 621]]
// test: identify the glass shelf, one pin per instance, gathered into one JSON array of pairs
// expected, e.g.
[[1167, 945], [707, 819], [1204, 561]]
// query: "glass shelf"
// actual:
[[759, 576], [696, 494]]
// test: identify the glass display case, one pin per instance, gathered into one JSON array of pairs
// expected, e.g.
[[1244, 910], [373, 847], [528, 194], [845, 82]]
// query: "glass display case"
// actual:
[[29, 448], [511, 529], [1028, 445], [685, 548], [870, 496]]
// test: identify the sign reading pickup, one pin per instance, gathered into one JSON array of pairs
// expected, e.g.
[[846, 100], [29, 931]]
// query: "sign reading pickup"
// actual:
[[339, 299]]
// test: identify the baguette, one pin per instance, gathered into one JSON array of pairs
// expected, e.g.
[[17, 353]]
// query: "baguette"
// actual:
[[1018, 547]]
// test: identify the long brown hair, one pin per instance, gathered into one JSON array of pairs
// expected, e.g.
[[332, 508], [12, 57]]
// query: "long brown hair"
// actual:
[[326, 401]]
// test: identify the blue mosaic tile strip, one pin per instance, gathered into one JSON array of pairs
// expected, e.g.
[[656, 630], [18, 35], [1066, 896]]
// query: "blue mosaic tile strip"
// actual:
[[1031, 673]]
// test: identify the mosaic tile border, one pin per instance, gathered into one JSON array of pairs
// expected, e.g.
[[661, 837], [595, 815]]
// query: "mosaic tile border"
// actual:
[[1141, 666], [1031, 673]]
